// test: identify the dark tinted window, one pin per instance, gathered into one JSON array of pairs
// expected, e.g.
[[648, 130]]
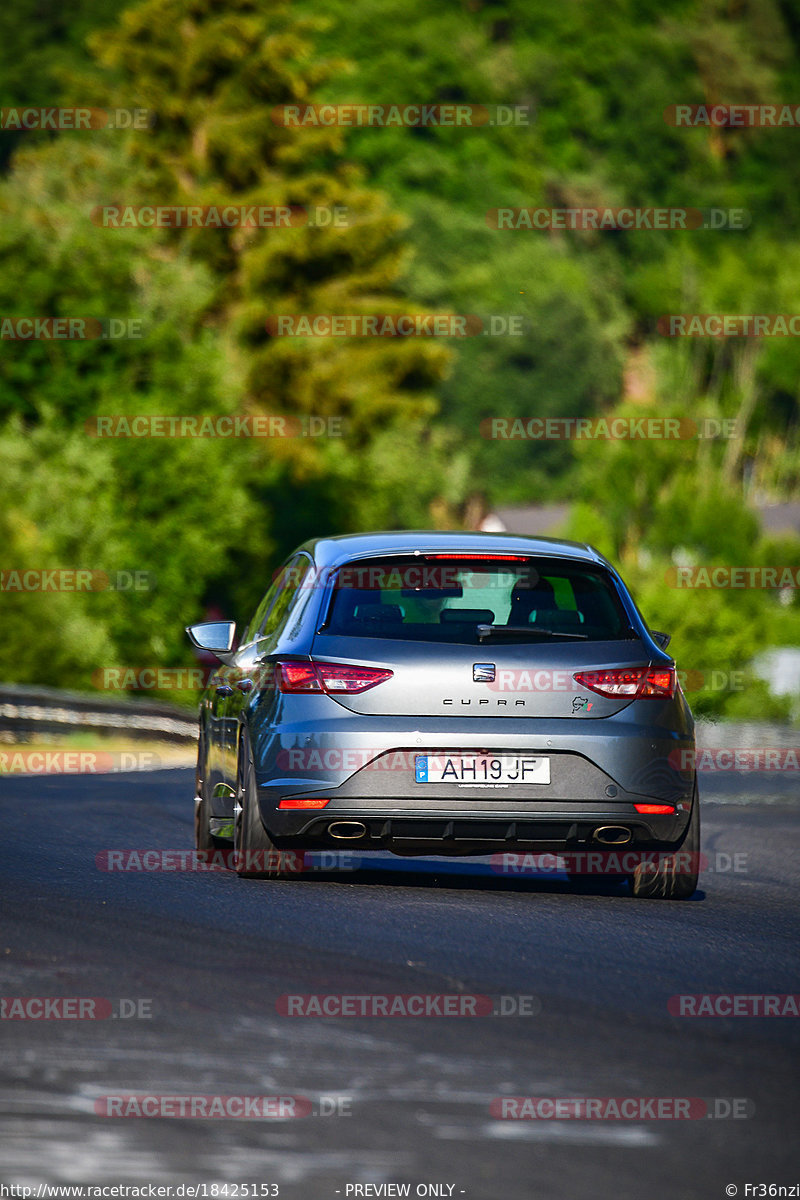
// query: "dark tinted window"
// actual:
[[444, 600]]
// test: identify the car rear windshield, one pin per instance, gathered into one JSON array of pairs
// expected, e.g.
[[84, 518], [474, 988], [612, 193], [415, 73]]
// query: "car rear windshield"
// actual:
[[447, 599]]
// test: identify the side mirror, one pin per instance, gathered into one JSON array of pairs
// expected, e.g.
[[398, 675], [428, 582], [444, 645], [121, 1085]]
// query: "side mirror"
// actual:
[[214, 636], [662, 639]]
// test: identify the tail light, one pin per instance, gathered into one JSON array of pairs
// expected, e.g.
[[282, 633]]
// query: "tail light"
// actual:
[[655, 808], [629, 682], [332, 678]]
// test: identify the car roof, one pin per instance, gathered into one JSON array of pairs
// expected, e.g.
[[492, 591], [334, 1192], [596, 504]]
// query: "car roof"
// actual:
[[332, 551]]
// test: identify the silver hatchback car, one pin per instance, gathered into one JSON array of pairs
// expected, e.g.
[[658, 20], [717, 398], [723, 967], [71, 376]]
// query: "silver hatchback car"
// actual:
[[451, 694]]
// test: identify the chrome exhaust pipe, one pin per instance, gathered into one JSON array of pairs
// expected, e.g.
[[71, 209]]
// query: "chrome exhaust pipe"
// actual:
[[612, 835], [347, 830]]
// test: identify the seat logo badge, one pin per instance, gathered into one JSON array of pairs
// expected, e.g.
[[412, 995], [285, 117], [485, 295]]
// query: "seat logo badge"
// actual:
[[483, 672]]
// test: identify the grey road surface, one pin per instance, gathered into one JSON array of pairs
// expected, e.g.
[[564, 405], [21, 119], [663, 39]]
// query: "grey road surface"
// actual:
[[403, 1101]]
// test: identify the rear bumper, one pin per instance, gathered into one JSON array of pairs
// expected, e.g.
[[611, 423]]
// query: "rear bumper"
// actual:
[[406, 833], [599, 770], [409, 817]]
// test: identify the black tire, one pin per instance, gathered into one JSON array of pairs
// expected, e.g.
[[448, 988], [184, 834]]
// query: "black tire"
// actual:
[[203, 838], [255, 855], [675, 876]]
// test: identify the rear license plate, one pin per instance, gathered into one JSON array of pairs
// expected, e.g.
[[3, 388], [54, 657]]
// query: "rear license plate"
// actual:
[[476, 770]]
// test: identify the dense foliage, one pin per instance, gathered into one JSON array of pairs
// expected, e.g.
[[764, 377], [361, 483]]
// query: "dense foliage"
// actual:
[[210, 518]]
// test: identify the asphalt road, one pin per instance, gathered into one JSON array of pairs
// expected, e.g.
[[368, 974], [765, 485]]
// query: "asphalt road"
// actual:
[[410, 1096]]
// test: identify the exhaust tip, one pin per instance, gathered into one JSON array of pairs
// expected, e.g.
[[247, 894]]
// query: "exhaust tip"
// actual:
[[612, 835], [347, 830]]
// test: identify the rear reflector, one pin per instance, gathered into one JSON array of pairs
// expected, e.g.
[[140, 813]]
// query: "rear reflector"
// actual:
[[292, 803], [333, 678], [629, 682], [655, 808]]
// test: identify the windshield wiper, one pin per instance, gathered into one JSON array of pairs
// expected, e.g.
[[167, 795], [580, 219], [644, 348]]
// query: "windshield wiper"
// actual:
[[487, 631]]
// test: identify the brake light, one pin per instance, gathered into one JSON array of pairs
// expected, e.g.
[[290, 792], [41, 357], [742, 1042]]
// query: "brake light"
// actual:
[[480, 557], [629, 682], [332, 678], [655, 808]]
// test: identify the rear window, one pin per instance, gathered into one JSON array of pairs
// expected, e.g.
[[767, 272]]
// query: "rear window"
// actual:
[[446, 599]]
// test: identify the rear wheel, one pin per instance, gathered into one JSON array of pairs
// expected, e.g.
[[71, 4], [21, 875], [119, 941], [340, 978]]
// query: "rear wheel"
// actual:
[[256, 855], [674, 875], [203, 839]]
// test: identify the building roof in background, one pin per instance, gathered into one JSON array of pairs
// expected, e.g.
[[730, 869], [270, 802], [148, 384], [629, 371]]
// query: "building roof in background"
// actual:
[[529, 520], [533, 520], [779, 518]]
